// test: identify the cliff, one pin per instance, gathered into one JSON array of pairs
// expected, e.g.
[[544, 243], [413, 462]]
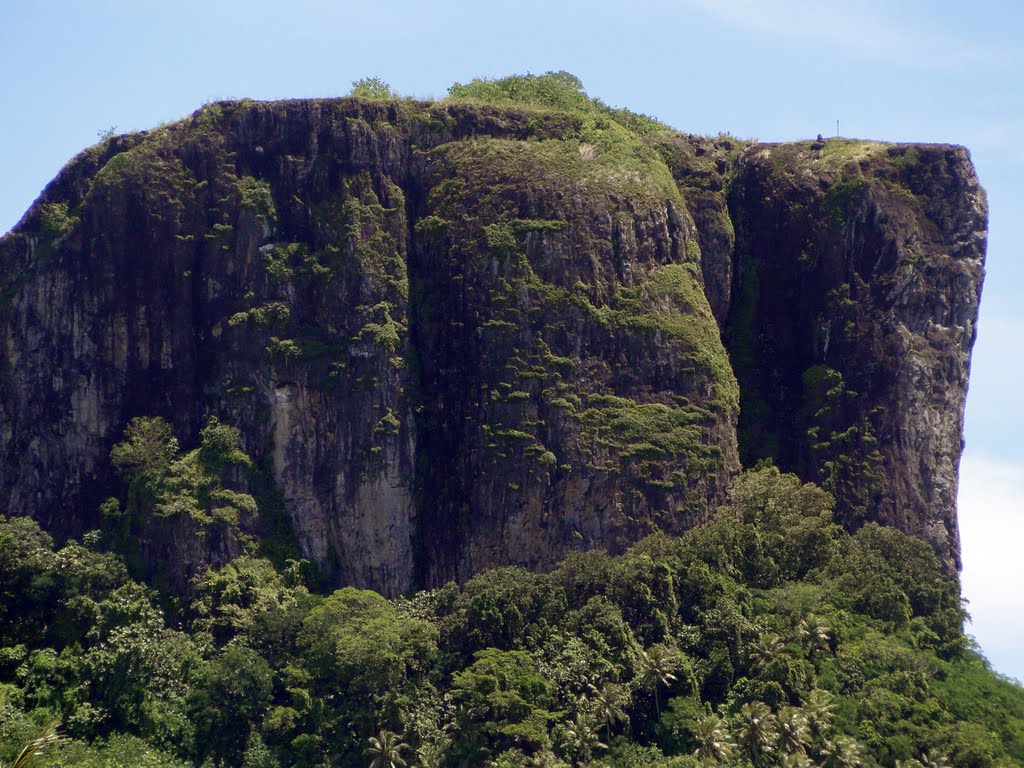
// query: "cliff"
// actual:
[[858, 271], [459, 334]]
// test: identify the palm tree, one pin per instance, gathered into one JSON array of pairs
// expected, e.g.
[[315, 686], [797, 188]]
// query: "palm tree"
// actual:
[[765, 649], [819, 711], [583, 735], [814, 633], [911, 763], [47, 737], [795, 760], [755, 730], [657, 665], [545, 758], [841, 752], [386, 750], [794, 735], [608, 705], [713, 742], [935, 760]]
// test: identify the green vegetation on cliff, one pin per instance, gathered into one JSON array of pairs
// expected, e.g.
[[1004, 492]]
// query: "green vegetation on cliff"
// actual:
[[768, 637], [610, 142]]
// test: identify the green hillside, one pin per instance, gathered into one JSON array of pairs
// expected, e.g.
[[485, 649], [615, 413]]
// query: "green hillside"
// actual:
[[769, 637]]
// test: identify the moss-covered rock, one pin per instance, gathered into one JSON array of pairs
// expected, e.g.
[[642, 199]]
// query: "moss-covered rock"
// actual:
[[485, 330]]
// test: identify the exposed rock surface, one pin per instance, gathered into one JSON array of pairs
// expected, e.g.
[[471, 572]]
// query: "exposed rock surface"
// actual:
[[858, 271], [461, 336], [450, 346]]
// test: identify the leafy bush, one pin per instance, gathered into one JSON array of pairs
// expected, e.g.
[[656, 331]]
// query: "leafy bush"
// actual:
[[372, 88], [55, 219]]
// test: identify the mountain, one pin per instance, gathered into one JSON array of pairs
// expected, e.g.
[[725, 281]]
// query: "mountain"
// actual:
[[646, 443], [485, 331]]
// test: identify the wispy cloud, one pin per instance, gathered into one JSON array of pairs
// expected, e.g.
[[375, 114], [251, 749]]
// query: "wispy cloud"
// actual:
[[871, 29], [991, 506]]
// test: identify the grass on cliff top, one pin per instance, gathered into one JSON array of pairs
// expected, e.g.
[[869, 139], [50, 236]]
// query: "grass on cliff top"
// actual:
[[610, 138], [830, 158], [622, 166], [559, 91]]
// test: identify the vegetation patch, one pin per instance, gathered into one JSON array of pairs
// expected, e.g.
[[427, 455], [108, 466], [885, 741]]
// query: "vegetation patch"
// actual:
[[166, 483], [767, 637], [610, 145], [55, 221], [254, 195], [671, 302]]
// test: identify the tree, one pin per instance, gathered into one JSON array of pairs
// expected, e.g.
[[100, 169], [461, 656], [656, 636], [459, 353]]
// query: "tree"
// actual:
[[794, 519], [249, 597], [220, 446], [795, 760], [713, 742], [609, 702], [167, 484], [194, 484], [583, 736], [234, 693], [841, 752], [766, 649], [503, 702], [362, 657], [755, 731], [144, 457], [148, 447], [794, 736], [814, 634], [657, 667], [257, 754], [386, 750], [818, 711], [372, 88], [544, 758], [431, 752], [935, 760]]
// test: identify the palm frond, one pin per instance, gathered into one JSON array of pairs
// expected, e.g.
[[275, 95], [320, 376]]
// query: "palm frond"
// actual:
[[47, 737]]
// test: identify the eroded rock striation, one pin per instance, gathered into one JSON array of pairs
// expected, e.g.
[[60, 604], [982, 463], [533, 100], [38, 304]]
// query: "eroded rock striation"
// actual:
[[456, 335]]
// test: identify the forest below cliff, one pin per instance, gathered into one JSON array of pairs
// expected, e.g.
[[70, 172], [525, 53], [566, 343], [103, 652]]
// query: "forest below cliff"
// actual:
[[768, 637]]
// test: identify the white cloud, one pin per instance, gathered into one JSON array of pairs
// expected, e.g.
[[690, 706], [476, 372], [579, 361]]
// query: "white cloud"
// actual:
[[871, 29], [991, 510]]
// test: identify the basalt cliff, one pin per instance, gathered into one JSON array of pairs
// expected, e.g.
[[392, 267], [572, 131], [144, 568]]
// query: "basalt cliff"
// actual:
[[462, 334]]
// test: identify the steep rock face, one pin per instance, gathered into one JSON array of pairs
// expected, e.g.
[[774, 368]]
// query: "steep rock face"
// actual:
[[457, 336], [577, 335], [702, 168], [857, 276], [453, 336]]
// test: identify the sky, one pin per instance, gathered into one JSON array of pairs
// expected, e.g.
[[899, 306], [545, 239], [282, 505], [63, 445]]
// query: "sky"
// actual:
[[773, 70]]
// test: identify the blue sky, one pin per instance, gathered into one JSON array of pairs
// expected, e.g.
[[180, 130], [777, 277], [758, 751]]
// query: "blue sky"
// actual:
[[774, 70]]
